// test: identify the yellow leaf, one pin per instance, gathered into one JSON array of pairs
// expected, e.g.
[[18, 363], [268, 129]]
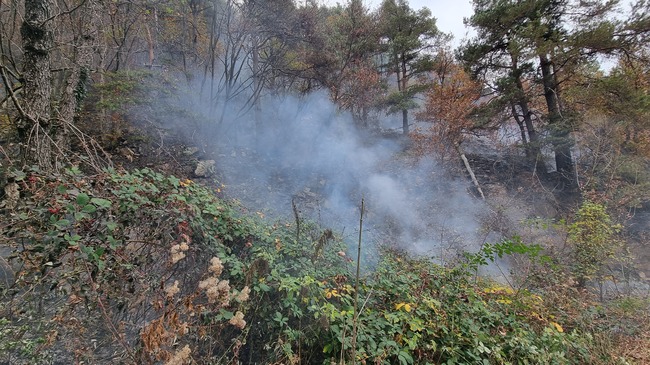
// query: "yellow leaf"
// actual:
[[329, 293], [407, 307], [557, 327]]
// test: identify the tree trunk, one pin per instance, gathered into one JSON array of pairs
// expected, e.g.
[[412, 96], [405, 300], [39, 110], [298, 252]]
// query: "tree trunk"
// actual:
[[560, 131], [528, 134], [82, 62], [35, 128], [150, 44], [257, 106], [469, 169], [522, 127], [533, 152], [526, 114], [405, 84]]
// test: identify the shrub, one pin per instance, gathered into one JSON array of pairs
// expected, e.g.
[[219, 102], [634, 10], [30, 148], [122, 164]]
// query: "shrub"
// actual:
[[129, 261], [140, 267], [593, 236]]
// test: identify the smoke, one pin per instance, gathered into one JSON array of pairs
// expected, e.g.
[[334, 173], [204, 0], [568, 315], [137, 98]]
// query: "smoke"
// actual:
[[304, 151]]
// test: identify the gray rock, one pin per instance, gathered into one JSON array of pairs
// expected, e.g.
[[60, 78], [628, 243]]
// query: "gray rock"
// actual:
[[12, 195], [7, 277], [189, 151], [204, 168]]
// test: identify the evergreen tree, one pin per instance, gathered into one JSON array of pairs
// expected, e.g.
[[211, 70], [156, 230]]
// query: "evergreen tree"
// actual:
[[409, 37], [530, 40]]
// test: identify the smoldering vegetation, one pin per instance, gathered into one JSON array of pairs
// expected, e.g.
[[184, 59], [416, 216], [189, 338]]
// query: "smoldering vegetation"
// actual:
[[303, 152]]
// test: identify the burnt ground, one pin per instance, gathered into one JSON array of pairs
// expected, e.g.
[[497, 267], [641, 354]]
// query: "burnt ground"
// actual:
[[516, 194], [541, 196], [638, 231]]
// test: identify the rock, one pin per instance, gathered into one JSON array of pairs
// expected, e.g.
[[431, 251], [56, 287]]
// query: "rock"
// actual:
[[189, 151], [127, 153], [12, 195], [7, 277], [204, 168]]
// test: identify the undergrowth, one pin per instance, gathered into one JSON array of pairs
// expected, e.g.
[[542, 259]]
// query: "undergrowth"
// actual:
[[144, 268]]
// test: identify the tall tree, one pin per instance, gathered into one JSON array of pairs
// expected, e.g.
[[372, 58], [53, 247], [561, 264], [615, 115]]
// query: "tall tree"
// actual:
[[497, 56], [57, 40], [354, 81], [547, 34], [542, 38], [229, 81], [123, 33], [35, 124], [409, 38], [75, 55]]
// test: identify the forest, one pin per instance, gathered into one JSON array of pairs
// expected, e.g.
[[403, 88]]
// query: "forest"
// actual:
[[310, 182]]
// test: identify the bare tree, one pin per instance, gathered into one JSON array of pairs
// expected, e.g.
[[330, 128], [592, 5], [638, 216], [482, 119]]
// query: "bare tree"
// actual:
[[232, 75], [43, 72]]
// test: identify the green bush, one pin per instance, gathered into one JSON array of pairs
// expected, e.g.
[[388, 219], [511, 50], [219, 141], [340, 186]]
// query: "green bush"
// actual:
[[157, 269], [416, 312], [593, 236]]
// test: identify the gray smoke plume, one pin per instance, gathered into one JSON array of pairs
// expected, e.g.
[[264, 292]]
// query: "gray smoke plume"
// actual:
[[304, 151]]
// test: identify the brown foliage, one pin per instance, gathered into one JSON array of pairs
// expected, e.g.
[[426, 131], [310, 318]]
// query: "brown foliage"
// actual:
[[448, 108]]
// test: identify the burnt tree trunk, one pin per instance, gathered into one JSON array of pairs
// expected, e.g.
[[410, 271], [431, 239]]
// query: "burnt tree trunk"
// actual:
[[468, 167], [524, 120], [405, 83], [560, 130], [35, 127], [526, 115], [522, 127]]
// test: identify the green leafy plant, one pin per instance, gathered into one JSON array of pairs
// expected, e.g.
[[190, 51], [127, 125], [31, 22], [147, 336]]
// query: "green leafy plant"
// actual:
[[490, 252], [593, 235], [436, 315], [157, 269]]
